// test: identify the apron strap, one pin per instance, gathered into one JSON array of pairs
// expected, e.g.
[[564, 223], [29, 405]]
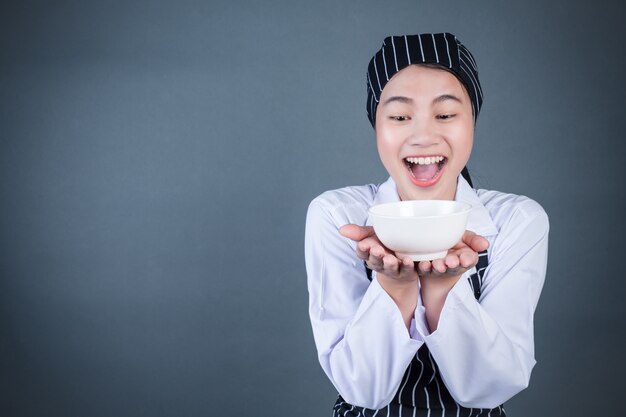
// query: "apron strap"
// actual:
[[368, 271], [476, 279]]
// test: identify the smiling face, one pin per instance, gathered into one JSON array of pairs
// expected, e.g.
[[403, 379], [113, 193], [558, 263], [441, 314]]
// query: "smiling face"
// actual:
[[424, 132]]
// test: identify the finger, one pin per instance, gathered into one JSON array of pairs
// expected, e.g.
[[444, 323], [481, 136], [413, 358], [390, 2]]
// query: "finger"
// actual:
[[355, 232], [408, 262], [363, 250], [378, 251], [390, 264], [451, 261], [439, 265], [424, 267], [468, 259], [407, 268], [474, 241], [375, 260], [365, 246], [376, 265]]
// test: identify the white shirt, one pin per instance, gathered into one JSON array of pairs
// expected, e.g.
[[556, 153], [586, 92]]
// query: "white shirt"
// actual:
[[484, 350]]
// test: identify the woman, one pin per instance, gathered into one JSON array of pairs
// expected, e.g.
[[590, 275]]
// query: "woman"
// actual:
[[453, 335]]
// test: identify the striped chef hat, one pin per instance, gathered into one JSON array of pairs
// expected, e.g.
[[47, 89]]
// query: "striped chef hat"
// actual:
[[442, 49]]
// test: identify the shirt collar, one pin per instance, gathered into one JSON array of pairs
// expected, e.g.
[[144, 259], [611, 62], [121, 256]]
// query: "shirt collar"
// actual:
[[479, 220], [387, 193]]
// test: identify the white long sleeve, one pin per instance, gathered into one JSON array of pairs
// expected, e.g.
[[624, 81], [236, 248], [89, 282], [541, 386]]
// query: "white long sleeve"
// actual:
[[484, 351], [362, 342]]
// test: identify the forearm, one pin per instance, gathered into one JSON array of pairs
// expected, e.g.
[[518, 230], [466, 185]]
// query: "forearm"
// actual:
[[403, 293], [434, 291]]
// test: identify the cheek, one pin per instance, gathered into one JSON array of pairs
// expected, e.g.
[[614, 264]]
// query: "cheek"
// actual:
[[383, 140], [463, 133], [387, 147], [463, 142]]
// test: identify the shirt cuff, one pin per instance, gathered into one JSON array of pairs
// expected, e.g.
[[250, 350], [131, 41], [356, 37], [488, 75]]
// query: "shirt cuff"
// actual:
[[460, 294], [421, 325], [376, 291]]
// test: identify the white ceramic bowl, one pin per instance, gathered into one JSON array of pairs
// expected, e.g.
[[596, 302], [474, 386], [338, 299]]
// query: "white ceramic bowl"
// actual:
[[421, 229]]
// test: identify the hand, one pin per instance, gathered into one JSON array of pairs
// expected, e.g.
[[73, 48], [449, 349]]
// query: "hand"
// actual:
[[460, 258], [377, 256]]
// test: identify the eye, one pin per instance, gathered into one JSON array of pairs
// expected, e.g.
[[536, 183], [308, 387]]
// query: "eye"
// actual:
[[399, 118], [447, 116]]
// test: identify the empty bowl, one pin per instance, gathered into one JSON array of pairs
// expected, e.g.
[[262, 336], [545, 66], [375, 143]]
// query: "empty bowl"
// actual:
[[423, 230]]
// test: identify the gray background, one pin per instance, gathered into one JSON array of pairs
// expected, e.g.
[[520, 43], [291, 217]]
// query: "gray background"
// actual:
[[157, 159]]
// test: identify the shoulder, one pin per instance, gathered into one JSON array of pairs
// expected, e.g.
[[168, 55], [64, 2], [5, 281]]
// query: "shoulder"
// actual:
[[344, 205], [502, 205], [512, 211]]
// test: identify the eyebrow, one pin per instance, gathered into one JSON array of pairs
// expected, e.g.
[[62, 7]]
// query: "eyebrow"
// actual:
[[400, 99], [445, 97], [407, 100]]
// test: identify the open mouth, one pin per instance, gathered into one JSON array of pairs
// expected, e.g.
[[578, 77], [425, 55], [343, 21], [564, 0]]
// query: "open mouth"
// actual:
[[425, 171]]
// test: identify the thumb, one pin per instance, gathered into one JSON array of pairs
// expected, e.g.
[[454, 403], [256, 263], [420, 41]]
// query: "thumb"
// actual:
[[355, 232], [474, 241]]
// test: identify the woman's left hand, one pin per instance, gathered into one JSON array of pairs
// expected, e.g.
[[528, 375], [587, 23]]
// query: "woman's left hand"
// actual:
[[460, 258]]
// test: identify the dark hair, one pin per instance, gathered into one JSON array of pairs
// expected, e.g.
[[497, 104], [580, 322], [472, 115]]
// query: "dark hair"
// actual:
[[466, 175]]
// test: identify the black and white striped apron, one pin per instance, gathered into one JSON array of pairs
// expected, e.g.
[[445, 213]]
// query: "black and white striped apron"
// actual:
[[422, 392]]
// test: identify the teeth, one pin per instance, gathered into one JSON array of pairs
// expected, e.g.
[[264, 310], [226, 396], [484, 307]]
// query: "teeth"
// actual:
[[425, 161]]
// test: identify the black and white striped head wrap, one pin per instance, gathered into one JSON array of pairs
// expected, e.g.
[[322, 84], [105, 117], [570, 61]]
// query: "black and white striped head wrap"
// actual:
[[398, 52]]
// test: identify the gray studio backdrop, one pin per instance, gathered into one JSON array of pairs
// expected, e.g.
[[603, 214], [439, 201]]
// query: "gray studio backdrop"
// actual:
[[156, 163]]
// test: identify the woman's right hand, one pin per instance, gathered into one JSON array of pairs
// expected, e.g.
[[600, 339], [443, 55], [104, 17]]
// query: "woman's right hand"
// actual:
[[378, 257]]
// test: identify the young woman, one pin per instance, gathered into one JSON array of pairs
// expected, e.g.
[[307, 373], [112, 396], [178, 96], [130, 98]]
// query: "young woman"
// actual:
[[451, 336]]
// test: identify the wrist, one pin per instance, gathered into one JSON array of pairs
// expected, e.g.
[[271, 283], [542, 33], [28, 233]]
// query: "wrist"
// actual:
[[438, 283], [434, 290], [403, 293], [397, 285]]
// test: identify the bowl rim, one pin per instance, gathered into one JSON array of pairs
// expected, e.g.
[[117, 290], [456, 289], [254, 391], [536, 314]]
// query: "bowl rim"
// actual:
[[465, 207]]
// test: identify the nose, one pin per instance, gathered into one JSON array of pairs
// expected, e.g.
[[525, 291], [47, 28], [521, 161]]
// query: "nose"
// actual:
[[423, 134]]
